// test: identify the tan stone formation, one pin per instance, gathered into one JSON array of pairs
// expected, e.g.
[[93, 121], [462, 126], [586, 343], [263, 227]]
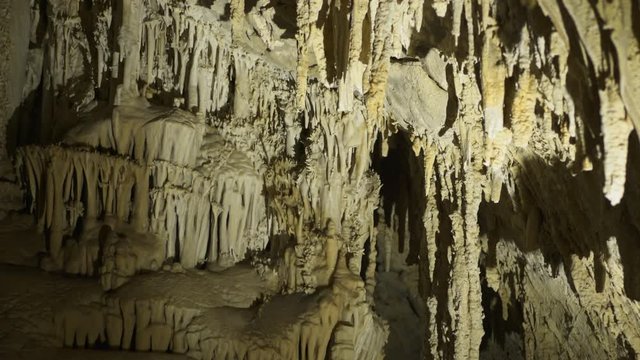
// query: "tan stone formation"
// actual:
[[314, 179]]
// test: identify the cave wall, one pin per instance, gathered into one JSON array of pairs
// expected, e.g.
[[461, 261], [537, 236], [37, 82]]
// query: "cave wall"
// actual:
[[15, 35], [522, 113], [529, 214]]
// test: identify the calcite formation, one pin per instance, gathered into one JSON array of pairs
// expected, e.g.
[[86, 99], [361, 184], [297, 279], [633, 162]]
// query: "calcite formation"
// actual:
[[319, 179]]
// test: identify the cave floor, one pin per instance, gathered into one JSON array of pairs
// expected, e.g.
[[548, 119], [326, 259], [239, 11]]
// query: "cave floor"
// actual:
[[231, 304], [396, 304]]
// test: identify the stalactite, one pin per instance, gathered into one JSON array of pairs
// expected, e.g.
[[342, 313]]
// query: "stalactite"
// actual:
[[303, 22], [616, 128], [379, 62], [493, 74], [237, 17], [129, 42]]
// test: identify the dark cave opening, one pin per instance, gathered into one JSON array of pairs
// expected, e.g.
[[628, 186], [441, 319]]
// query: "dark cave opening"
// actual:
[[400, 233], [403, 192]]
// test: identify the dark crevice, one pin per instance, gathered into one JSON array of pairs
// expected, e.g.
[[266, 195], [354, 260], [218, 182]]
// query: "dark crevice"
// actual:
[[403, 193]]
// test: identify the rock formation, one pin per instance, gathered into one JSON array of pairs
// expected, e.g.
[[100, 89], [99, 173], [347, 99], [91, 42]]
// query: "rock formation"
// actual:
[[320, 179]]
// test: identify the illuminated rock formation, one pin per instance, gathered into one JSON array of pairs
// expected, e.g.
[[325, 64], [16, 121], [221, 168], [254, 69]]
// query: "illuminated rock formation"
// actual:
[[312, 179]]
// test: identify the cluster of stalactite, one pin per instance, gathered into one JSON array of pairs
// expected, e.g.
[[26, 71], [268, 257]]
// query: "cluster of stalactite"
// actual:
[[174, 52], [202, 218], [513, 89], [326, 202], [175, 47], [538, 89]]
